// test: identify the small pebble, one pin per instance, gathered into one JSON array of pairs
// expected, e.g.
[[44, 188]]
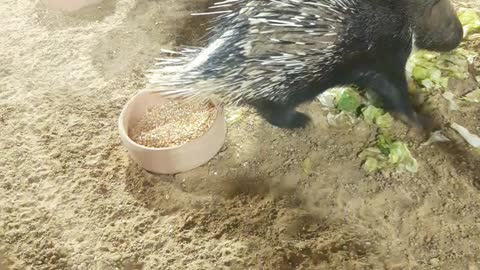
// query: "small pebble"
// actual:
[[435, 262]]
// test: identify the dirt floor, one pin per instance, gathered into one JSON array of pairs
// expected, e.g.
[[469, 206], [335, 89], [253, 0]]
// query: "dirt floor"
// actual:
[[70, 197]]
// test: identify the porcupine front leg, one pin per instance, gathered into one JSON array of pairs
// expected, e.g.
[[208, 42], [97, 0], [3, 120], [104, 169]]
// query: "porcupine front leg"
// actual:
[[280, 115], [393, 91]]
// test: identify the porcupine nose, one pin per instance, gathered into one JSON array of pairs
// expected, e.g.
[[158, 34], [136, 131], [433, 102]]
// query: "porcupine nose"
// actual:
[[455, 35]]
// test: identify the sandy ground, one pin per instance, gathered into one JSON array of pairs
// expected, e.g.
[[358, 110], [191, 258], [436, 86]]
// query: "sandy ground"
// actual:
[[70, 197]]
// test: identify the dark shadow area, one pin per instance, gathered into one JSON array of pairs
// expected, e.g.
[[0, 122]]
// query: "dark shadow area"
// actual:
[[195, 30]]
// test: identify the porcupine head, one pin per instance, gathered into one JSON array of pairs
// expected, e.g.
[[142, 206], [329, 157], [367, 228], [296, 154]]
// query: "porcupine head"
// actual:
[[436, 27], [435, 24]]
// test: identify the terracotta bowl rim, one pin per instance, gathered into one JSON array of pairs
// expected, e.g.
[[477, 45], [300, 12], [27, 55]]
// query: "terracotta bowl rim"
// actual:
[[124, 132]]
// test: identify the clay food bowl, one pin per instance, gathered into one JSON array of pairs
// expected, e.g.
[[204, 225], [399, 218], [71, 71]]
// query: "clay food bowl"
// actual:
[[182, 156]]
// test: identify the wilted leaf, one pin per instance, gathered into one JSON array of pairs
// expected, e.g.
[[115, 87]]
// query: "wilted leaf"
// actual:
[[388, 154], [307, 166], [371, 113], [436, 136], [401, 156], [473, 96], [472, 139], [340, 119], [384, 143], [374, 115], [372, 165], [432, 70], [384, 121], [328, 97]]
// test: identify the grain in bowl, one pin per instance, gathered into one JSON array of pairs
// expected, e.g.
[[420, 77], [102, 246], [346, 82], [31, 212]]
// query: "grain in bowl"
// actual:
[[173, 124]]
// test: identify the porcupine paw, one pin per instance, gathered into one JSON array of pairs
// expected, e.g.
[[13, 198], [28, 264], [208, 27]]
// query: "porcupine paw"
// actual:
[[299, 120], [420, 123], [289, 120]]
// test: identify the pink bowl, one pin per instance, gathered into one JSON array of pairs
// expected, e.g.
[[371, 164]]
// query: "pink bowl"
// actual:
[[173, 159]]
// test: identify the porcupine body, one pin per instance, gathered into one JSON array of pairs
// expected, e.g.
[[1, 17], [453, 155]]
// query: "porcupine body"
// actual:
[[277, 54]]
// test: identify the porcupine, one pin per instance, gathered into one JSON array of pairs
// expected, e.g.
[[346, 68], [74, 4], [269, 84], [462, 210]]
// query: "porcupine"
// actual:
[[278, 54]]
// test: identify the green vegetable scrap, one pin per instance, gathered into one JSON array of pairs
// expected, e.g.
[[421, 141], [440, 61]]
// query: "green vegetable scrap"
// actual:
[[341, 119], [383, 144], [402, 158], [307, 166], [327, 98], [377, 116], [342, 104], [374, 159], [432, 70], [348, 100], [423, 71], [371, 113], [384, 122], [388, 154], [470, 21], [372, 165]]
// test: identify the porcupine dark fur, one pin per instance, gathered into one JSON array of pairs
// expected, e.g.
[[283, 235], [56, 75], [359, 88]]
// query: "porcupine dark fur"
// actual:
[[278, 54]]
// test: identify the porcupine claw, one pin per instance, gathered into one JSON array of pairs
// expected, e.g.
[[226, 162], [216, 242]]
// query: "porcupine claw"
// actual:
[[422, 123]]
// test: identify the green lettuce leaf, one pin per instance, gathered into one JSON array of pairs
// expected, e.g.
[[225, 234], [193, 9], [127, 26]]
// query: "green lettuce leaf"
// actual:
[[377, 116], [348, 100], [470, 21], [388, 154]]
